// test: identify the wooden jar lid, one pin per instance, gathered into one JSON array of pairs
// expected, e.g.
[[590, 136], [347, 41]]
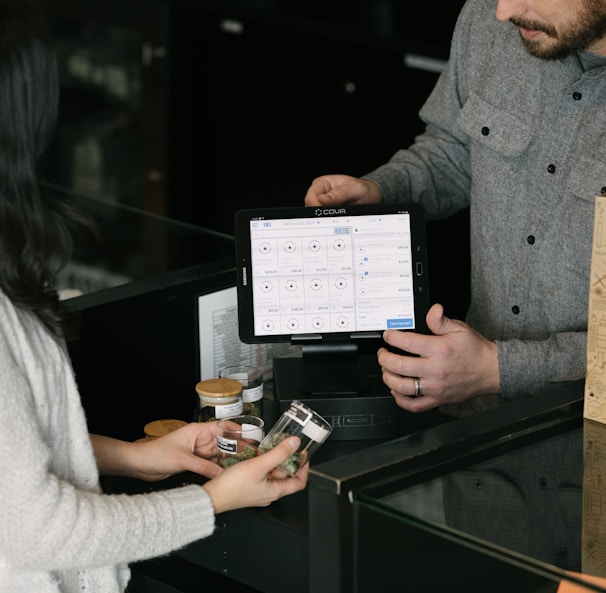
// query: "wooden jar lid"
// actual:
[[220, 387], [158, 428]]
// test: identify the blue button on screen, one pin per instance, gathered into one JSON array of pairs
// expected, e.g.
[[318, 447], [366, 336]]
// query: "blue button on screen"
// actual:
[[407, 323]]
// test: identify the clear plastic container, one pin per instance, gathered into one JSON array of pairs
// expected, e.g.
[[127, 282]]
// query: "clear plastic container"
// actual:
[[238, 438], [301, 421]]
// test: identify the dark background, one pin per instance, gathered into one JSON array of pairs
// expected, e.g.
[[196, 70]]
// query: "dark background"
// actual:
[[194, 109]]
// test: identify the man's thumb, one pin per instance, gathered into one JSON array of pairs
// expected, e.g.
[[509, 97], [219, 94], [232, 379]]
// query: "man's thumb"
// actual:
[[437, 322]]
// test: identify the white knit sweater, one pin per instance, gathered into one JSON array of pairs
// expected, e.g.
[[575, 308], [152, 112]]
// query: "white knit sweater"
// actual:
[[58, 532]]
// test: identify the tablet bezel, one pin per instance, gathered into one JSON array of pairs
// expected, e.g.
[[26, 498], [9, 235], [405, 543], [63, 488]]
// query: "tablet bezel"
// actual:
[[243, 244]]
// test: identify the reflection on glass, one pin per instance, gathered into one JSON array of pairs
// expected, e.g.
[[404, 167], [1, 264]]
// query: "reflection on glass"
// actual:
[[134, 245], [528, 500]]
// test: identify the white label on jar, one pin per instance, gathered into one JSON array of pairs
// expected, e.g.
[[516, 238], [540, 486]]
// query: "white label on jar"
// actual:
[[315, 432], [227, 410], [238, 377], [299, 413], [227, 445], [250, 431], [252, 395]]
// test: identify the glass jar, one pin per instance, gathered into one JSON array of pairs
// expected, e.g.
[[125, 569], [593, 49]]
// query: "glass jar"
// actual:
[[301, 421], [252, 387], [219, 398]]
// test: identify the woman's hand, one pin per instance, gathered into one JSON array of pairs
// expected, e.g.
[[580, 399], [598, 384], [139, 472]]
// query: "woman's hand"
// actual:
[[252, 482], [190, 448]]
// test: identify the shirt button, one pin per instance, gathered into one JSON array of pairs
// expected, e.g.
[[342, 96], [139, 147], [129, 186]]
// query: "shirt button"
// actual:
[[577, 96], [551, 169], [515, 310], [530, 239], [485, 131]]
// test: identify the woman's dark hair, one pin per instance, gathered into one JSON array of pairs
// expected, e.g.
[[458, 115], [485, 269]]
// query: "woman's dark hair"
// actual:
[[36, 239]]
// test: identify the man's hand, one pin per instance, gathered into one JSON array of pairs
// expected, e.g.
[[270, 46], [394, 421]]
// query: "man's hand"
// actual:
[[453, 365], [335, 190]]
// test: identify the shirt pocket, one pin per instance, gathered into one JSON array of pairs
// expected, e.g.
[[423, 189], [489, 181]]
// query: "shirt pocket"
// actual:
[[493, 128], [586, 180]]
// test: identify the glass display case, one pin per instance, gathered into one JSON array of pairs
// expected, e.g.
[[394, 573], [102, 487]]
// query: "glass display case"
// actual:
[[493, 501], [483, 524]]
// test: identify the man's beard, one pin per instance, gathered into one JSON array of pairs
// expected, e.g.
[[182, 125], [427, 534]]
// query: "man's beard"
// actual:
[[588, 28]]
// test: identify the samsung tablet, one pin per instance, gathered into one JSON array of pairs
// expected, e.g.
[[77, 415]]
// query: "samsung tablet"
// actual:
[[313, 275]]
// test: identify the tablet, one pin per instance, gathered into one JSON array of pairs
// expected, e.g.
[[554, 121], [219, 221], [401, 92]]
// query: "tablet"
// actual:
[[312, 275]]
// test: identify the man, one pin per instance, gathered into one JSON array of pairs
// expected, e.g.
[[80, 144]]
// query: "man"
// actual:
[[516, 130]]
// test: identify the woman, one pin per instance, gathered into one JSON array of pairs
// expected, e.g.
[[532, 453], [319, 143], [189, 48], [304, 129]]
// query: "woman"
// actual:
[[58, 531]]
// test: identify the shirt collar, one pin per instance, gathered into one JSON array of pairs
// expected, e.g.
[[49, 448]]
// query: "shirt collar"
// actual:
[[590, 61]]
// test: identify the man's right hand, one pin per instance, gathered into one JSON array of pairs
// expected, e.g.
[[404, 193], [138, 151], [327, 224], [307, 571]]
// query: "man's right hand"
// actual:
[[335, 190]]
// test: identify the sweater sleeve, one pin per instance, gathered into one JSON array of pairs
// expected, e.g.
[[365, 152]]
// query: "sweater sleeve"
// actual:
[[53, 514]]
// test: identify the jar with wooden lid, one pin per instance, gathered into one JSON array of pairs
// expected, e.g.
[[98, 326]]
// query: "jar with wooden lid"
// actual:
[[219, 398], [158, 428], [252, 387]]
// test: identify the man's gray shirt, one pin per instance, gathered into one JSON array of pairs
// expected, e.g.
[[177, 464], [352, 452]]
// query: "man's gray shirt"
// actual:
[[522, 142]]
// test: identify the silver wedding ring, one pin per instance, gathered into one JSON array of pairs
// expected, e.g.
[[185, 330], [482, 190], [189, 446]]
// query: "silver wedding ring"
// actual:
[[418, 387]]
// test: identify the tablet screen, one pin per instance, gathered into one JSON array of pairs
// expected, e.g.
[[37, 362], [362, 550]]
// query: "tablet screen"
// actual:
[[316, 274]]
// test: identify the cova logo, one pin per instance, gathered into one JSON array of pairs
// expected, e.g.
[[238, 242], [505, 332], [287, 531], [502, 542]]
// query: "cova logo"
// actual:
[[329, 211]]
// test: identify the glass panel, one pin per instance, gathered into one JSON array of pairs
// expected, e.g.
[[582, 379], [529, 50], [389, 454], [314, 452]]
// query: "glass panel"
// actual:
[[134, 245], [396, 552], [523, 505]]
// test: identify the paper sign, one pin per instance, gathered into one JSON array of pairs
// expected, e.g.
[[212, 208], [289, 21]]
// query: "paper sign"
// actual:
[[595, 382]]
